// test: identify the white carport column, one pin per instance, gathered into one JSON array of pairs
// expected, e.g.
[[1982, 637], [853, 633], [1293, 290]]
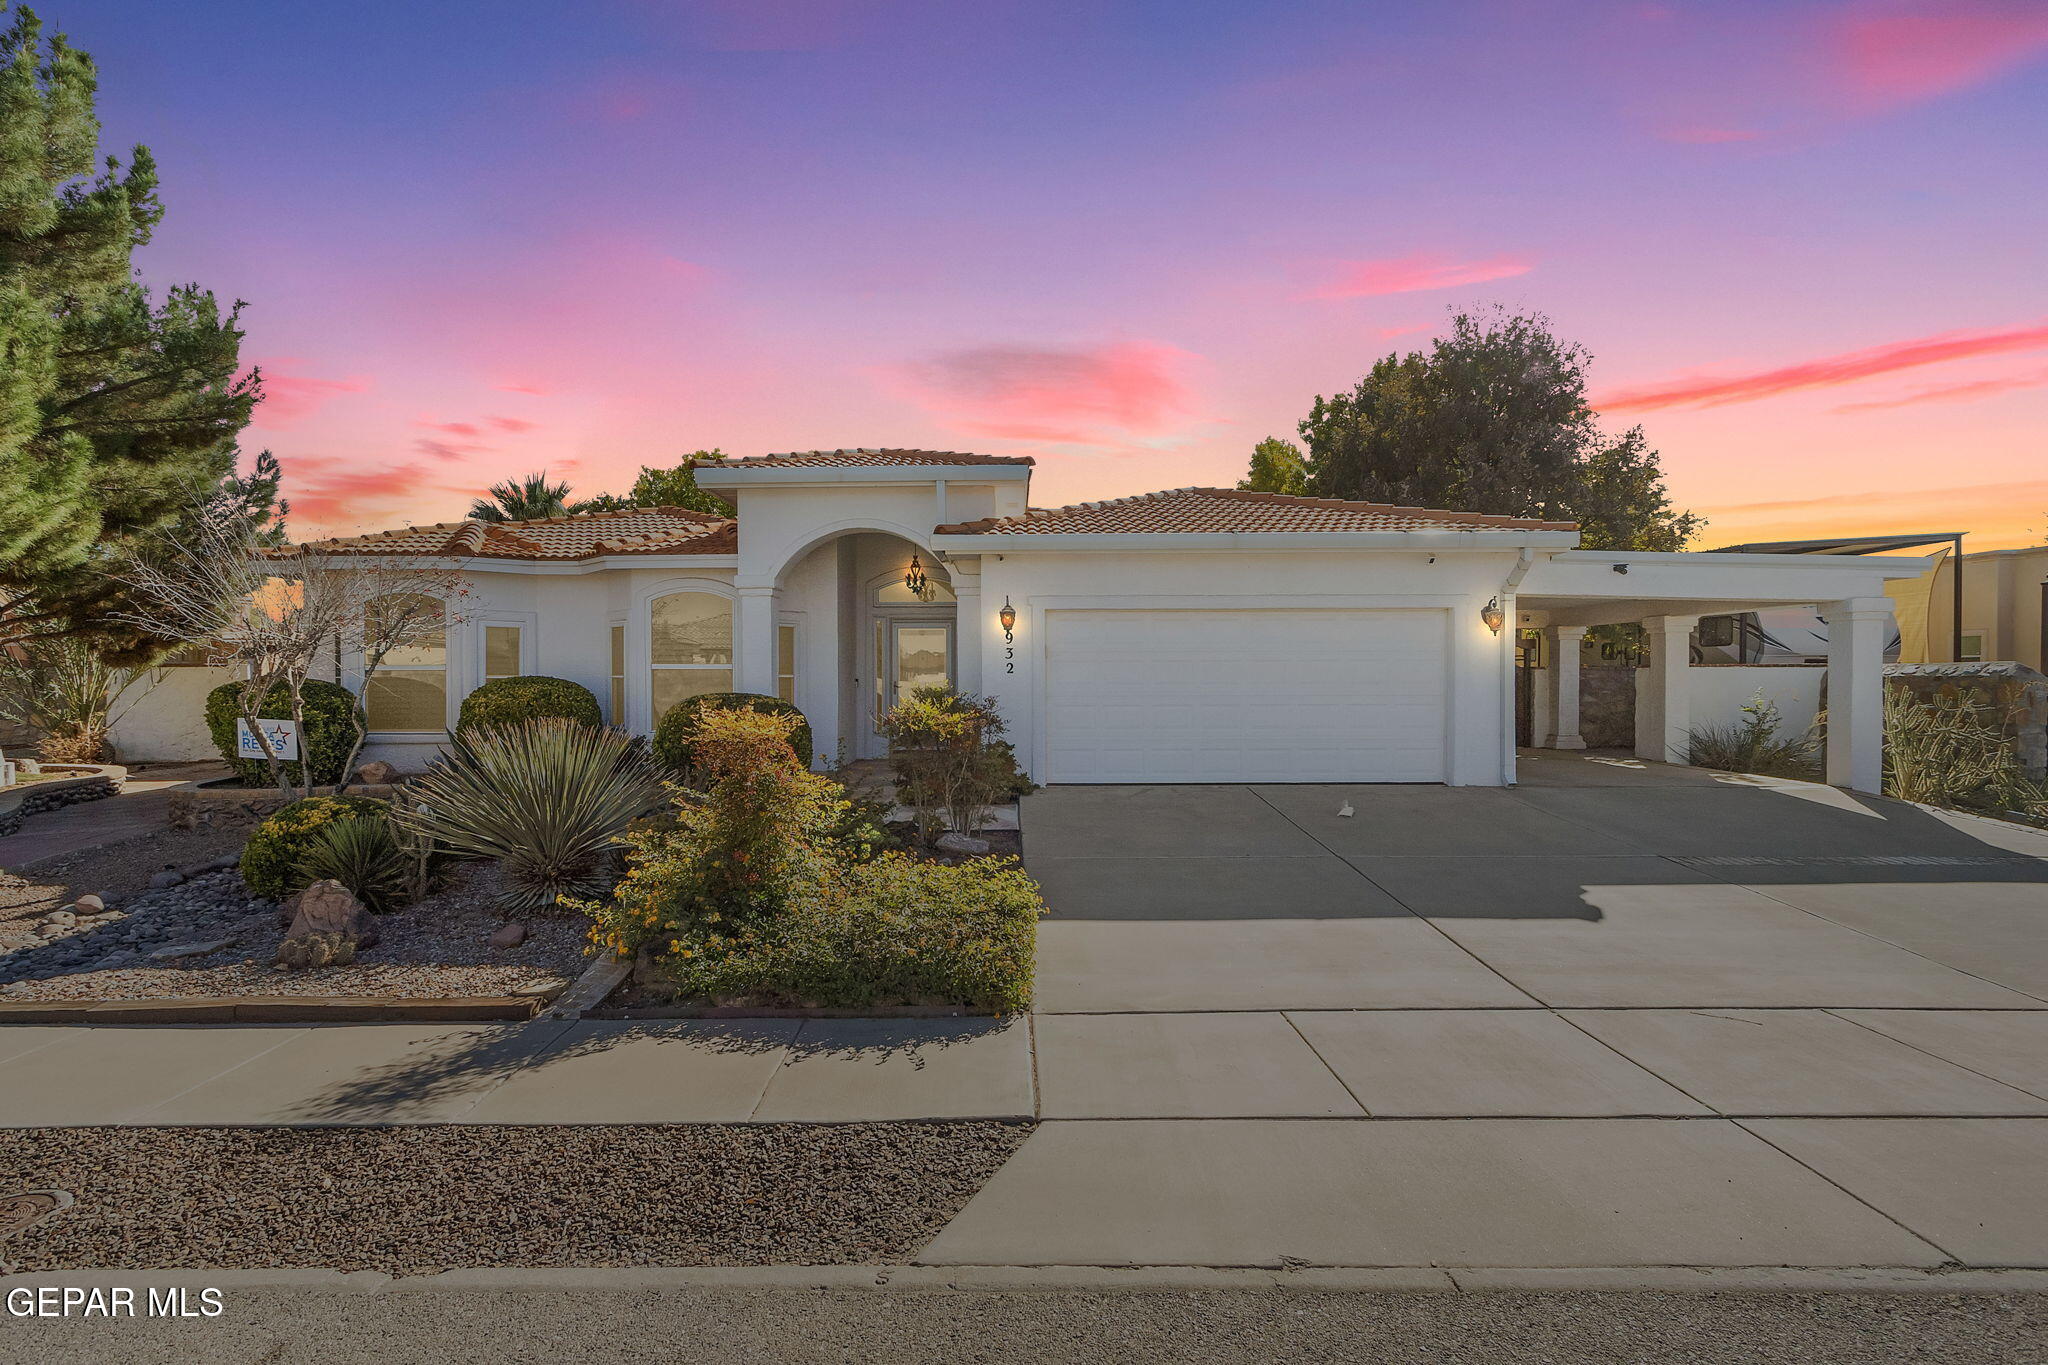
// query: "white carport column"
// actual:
[[1664, 691], [755, 663], [1857, 630], [1564, 686]]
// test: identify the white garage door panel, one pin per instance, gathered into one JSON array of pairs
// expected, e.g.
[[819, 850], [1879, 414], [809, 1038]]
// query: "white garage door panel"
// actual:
[[1245, 696]]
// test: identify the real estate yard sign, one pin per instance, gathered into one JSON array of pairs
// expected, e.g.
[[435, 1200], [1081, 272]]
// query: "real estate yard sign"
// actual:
[[282, 734]]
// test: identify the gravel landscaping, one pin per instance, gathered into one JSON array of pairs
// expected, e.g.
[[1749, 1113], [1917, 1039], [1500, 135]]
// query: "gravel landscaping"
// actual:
[[208, 937], [415, 1200]]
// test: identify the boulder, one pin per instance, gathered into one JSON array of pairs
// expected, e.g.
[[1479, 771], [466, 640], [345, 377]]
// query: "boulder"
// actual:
[[951, 842], [327, 907], [378, 774], [90, 904], [509, 936]]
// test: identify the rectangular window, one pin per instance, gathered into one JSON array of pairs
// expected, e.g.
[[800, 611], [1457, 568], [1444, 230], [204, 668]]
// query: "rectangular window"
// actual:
[[619, 676], [785, 663], [410, 691], [501, 652], [690, 640], [1973, 647]]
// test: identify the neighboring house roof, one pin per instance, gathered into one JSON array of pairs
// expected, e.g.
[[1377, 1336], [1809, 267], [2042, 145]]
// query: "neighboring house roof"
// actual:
[[1185, 510], [845, 458], [639, 530]]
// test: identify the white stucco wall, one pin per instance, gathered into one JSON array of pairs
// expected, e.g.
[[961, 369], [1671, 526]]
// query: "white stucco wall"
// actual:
[[162, 718], [1719, 694]]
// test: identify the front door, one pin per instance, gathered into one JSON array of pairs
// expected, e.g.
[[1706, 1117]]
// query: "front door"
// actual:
[[910, 652]]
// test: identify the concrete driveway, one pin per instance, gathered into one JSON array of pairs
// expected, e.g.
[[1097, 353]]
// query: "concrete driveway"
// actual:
[[1596, 883], [1620, 1015]]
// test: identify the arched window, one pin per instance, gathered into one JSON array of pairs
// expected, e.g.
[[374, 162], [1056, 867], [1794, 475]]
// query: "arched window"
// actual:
[[689, 647], [410, 690]]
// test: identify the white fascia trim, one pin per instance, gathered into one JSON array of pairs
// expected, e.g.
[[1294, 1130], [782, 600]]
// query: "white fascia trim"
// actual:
[[740, 476], [1429, 542], [1884, 566], [569, 568]]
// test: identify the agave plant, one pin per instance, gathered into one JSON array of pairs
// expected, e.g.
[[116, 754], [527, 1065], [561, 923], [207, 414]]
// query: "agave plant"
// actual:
[[368, 857], [546, 798]]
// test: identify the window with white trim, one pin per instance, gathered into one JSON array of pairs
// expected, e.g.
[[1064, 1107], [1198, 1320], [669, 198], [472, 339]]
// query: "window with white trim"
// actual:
[[785, 663], [501, 652], [409, 694], [689, 638], [619, 675]]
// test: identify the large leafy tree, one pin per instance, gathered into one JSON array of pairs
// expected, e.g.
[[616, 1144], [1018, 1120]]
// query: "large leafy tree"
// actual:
[[672, 487], [1493, 418], [1277, 467], [118, 411]]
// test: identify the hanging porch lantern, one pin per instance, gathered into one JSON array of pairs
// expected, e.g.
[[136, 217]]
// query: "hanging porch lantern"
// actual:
[[1008, 616], [1494, 617], [915, 579]]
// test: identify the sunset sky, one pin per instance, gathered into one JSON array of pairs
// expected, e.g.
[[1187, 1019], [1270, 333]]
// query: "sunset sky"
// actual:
[[1807, 244]]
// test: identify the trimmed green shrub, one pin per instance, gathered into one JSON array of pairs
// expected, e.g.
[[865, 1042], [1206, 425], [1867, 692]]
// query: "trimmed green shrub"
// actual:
[[758, 839], [271, 859], [895, 931], [333, 718], [507, 701], [677, 730], [548, 799]]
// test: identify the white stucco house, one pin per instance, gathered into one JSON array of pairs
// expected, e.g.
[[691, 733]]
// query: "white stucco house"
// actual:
[[1194, 635]]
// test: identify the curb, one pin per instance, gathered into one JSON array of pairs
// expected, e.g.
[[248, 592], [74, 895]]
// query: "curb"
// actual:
[[276, 1009], [916, 1278]]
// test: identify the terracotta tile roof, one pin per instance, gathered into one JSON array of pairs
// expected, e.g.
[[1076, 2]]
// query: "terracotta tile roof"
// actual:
[[844, 458], [1186, 510], [639, 530]]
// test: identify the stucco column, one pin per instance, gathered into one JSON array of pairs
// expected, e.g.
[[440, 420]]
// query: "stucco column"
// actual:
[[754, 660], [968, 627], [1664, 690], [1564, 686], [1857, 630]]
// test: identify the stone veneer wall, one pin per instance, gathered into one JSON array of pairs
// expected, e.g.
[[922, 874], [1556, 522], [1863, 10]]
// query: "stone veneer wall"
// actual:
[[41, 796], [1607, 706], [2028, 727]]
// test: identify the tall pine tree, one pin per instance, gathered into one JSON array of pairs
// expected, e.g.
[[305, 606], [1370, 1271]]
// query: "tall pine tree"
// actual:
[[118, 412]]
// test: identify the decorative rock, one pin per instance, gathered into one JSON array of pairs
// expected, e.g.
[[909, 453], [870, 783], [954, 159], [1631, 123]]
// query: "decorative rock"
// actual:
[[164, 881], [92, 904], [378, 774], [326, 907], [952, 842], [178, 950], [509, 936]]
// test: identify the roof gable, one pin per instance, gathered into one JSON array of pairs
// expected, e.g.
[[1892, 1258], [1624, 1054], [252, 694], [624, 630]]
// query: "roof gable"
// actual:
[[587, 535]]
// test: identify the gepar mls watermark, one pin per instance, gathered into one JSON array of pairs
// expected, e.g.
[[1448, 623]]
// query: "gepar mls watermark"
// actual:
[[117, 1301]]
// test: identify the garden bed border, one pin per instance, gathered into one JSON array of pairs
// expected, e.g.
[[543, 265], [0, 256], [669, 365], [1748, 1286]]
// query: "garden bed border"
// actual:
[[90, 782], [276, 1009]]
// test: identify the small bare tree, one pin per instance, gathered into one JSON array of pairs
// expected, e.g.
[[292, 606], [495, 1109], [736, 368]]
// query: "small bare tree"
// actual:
[[272, 612]]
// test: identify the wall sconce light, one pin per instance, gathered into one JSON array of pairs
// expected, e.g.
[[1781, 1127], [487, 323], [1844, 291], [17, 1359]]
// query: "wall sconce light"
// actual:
[[916, 580], [1008, 616], [1494, 617]]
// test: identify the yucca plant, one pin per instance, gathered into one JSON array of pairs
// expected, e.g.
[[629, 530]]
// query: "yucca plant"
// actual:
[[547, 799], [368, 857]]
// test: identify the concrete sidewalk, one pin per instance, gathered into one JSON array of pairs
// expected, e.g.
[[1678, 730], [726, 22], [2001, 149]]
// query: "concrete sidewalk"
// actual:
[[1525, 1137]]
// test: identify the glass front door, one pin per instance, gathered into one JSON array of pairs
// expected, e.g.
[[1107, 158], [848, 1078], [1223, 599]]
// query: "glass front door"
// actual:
[[920, 655]]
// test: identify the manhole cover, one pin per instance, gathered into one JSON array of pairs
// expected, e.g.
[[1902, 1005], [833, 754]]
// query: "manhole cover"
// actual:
[[20, 1212]]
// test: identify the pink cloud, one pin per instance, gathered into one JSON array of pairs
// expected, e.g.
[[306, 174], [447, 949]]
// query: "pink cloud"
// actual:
[[1954, 393], [447, 450], [1826, 372], [291, 398], [452, 428], [1070, 396], [1389, 333], [1407, 274], [511, 423], [1887, 54], [533, 390]]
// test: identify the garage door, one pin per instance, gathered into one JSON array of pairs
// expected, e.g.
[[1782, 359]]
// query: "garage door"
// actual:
[[1245, 696]]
